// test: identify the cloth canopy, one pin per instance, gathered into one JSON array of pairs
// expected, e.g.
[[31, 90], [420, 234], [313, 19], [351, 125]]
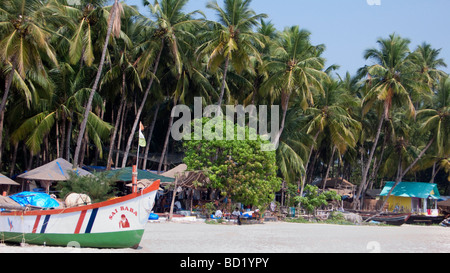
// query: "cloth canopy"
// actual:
[[412, 189], [177, 171], [125, 174], [7, 181], [57, 170]]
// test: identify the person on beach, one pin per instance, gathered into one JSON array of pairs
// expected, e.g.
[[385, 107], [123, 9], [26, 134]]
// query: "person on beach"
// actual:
[[237, 215], [218, 214]]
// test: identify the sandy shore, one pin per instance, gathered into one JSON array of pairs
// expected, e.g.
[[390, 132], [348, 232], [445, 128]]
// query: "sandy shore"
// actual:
[[276, 237]]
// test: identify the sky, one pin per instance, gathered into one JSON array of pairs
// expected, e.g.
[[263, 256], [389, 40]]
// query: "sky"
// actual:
[[348, 27]]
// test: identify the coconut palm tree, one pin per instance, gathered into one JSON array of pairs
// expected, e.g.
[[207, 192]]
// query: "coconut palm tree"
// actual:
[[436, 119], [428, 62], [231, 40], [331, 114], [170, 23], [295, 67], [88, 17], [391, 81], [123, 75], [113, 24], [24, 45]]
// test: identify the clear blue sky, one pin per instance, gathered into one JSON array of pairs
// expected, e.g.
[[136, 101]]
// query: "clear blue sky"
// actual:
[[349, 27]]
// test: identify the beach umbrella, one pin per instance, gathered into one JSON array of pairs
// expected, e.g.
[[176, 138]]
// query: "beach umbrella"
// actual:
[[173, 173], [7, 181], [57, 170]]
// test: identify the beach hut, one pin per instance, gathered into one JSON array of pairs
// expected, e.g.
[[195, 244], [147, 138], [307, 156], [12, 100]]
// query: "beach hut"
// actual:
[[125, 175], [57, 170], [415, 197], [6, 183]]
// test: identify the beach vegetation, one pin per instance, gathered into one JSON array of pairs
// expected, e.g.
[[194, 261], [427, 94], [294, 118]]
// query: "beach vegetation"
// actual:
[[99, 186], [313, 199], [239, 169], [78, 77]]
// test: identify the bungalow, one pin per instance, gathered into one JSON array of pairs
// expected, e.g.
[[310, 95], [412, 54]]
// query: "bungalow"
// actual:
[[417, 198]]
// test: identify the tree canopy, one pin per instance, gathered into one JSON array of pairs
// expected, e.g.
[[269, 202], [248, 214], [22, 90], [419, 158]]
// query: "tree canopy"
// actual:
[[79, 77], [239, 169]]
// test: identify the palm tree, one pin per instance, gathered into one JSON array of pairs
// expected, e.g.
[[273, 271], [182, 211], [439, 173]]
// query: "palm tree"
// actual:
[[331, 114], [293, 147], [428, 62], [391, 80], [113, 23], [88, 17], [295, 67], [24, 44], [170, 24], [123, 75], [232, 38], [436, 119]]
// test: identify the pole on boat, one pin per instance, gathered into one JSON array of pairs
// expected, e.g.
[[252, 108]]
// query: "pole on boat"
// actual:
[[134, 179]]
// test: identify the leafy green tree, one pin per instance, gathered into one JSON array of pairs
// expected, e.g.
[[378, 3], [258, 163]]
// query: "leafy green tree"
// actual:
[[98, 186], [313, 199], [239, 169]]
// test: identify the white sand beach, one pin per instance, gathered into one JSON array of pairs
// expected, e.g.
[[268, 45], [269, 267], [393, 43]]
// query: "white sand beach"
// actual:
[[278, 237]]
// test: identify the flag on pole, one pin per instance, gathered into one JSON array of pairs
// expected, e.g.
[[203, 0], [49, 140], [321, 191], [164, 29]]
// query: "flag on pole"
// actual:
[[142, 141]]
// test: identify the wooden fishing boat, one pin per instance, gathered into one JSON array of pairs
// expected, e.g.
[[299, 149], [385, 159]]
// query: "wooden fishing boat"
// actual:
[[116, 223], [394, 219], [425, 219]]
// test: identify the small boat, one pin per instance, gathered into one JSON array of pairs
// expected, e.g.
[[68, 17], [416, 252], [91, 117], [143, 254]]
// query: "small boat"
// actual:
[[425, 219], [116, 223], [394, 219]]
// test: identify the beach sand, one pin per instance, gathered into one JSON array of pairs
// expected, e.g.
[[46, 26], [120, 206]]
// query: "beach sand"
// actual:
[[277, 237]]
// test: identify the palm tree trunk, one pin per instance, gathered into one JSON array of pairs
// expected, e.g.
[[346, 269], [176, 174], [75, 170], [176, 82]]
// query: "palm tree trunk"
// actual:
[[121, 133], [435, 172], [69, 136], [149, 138], [58, 155], [166, 141], [356, 202], [373, 177], [63, 133], [328, 168], [114, 135], [13, 163], [224, 80], [94, 88], [139, 112], [2, 116], [8, 83], [285, 103], [304, 177], [403, 173]]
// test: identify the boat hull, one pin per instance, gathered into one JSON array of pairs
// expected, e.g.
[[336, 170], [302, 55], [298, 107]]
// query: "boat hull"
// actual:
[[423, 219], [389, 219], [118, 223], [125, 239]]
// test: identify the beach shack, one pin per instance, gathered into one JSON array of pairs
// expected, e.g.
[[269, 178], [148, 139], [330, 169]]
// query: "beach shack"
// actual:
[[413, 197]]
